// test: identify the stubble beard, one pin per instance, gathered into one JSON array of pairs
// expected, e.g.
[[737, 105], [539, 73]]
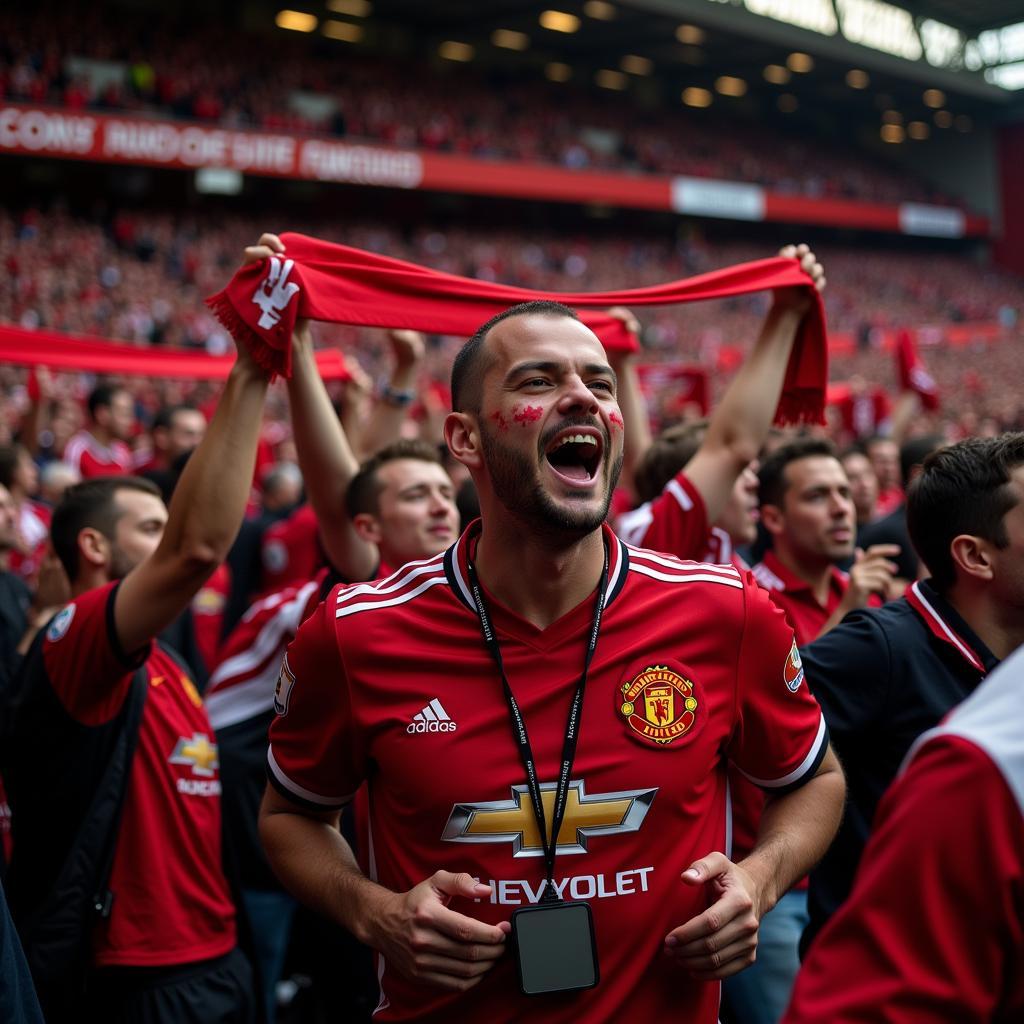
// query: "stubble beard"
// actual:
[[517, 485]]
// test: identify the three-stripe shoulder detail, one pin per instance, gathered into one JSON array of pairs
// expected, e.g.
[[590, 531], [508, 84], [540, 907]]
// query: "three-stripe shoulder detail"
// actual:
[[673, 570], [404, 585]]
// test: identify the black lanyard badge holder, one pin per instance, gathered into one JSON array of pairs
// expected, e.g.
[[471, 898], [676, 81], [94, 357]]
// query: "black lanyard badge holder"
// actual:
[[554, 942]]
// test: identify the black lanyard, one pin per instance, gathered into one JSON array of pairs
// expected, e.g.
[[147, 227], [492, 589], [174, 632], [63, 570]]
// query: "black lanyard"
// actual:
[[519, 725]]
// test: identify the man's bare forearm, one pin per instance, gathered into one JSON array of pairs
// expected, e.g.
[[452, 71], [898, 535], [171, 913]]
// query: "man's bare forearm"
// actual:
[[316, 865], [796, 830], [210, 498], [327, 461]]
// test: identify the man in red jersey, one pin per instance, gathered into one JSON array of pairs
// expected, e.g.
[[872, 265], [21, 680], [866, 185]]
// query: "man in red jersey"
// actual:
[[163, 943], [933, 931], [101, 449], [807, 509], [398, 684]]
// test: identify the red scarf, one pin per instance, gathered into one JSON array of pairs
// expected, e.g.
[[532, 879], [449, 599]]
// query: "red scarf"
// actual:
[[913, 375], [338, 284]]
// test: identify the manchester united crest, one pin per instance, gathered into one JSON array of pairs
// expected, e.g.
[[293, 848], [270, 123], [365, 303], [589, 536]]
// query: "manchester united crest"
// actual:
[[659, 704]]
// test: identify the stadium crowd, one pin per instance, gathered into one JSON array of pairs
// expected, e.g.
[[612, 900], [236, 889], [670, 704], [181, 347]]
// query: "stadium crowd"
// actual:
[[223, 521], [83, 59]]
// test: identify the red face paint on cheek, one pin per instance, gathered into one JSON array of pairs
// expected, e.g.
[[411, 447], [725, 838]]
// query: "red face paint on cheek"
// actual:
[[500, 420], [529, 414], [616, 419]]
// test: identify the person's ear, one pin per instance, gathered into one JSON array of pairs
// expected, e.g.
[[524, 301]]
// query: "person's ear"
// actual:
[[368, 527], [93, 548], [462, 435], [773, 519], [972, 556]]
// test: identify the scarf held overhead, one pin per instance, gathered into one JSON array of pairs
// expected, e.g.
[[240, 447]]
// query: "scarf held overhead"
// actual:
[[324, 281]]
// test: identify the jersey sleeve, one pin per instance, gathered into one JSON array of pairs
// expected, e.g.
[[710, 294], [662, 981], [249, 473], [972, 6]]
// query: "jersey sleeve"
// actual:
[[316, 757], [780, 736], [84, 661], [932, 931], [676, 522], [848, 671]]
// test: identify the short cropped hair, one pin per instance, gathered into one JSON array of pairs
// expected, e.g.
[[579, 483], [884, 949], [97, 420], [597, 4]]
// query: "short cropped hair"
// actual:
[[10, 456], [164, 417], [669, 452], [469, 366], [363, 494], [915, 451], [772, 475], [962, 489], [101, 397], [91, 503]]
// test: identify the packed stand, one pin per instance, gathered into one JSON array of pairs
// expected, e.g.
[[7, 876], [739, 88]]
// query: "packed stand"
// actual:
[[87, 59]]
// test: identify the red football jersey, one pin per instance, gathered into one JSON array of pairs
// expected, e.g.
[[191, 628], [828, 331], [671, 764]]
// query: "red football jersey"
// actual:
[[290, 550], [33, 535], [208, 613], [172, 903], [90, 458], [391, 683], [676, 521], [934, 928], [242, 686]]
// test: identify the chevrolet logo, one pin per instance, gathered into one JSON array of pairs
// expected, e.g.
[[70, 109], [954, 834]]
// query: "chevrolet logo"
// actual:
[[198, 752], [504, 821]]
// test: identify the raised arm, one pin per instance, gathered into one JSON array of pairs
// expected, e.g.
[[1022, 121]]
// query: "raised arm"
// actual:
[[326, 457], [392, 405], [204, 516], [635, 423], [740, 423]]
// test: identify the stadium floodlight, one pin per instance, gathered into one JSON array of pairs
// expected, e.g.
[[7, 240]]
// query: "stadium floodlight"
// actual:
[[353, 8], [918, 130], [934, 98], [879, 26], [892, 117], [599, 10], [727, 85], [453, 50], [559, 21], [609, 79], [344, 31], [801, 63], [555, 71], [943, 44], [943, 118], [510, 40], [1007, 76], [815, 15], [636, 65], [787, 103], [777, 74], [296, 21], [857, 79], [892, 133], [695, 97], [690, 35]]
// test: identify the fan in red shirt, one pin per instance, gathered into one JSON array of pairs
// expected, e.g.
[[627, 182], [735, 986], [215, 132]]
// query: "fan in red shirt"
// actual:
[[393, 683], [807, 509], [164, 945], [932, 931], [19, 474], [101, 449]]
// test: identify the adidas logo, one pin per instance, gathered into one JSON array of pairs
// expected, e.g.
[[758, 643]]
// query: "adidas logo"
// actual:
[[433, 718]]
